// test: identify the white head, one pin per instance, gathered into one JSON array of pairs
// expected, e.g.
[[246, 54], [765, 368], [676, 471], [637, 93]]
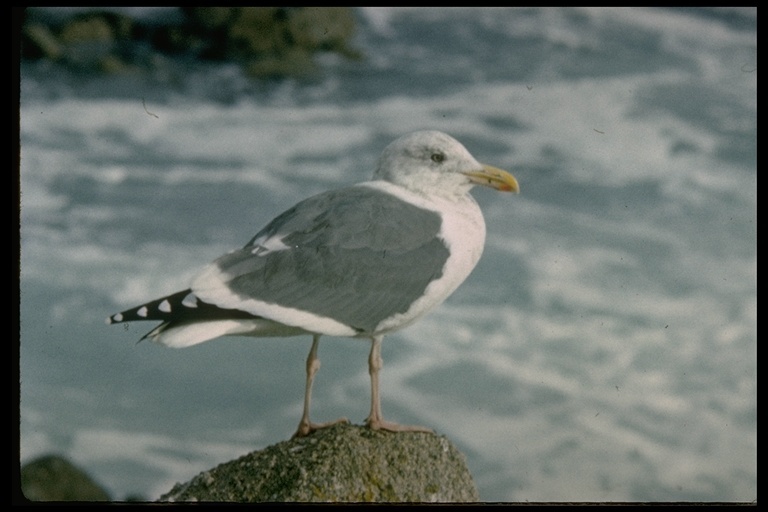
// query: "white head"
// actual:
[[433, 162]]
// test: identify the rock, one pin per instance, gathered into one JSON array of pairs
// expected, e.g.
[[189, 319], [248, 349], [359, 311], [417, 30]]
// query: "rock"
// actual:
[[53, 478], [258, 31], [87, 41], [343, 463], [271, 41], [267, 42], [324, 28], [90, 28], [295, 63], [40, 43]]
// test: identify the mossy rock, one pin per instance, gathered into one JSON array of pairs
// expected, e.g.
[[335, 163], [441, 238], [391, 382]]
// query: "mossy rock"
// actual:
[[54, 478], [343, 463]]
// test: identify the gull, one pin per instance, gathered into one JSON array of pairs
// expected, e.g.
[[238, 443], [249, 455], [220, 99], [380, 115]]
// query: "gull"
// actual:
[[361, 261]]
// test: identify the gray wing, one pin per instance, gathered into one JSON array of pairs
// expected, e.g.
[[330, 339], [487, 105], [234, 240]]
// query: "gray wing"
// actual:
[[356, 255]]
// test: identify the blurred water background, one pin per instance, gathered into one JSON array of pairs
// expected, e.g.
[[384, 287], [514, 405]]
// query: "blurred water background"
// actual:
[[603, 349]]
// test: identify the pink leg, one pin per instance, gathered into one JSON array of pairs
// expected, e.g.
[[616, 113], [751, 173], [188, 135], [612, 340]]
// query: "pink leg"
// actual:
[[375, 420], [306, 427]]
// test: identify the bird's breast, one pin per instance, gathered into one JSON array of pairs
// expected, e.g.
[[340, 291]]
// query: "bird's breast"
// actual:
[[463, 233]]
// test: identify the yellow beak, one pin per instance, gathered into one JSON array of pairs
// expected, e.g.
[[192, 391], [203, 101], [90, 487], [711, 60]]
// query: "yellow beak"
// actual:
[[494, 178]]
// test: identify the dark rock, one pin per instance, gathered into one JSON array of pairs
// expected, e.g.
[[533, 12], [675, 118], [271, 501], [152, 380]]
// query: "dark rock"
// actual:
[[53, 478], [323, 28], [296, 63], [96, 27], [266, 41], [38, 42], [91, 41], [343, 463], [270, 41]]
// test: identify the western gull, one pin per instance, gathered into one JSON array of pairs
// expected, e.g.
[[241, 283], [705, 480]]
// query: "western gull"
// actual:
[[360, 261]]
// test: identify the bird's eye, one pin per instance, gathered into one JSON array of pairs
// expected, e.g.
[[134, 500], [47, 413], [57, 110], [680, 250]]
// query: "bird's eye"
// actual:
[[438, 157]]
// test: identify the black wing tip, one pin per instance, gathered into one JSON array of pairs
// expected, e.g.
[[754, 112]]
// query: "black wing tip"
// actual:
[[158, 309], [181, 306]]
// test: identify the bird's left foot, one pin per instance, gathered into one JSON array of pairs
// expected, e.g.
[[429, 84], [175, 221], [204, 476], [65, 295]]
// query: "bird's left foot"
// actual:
[[379, 424], [306, 427]]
